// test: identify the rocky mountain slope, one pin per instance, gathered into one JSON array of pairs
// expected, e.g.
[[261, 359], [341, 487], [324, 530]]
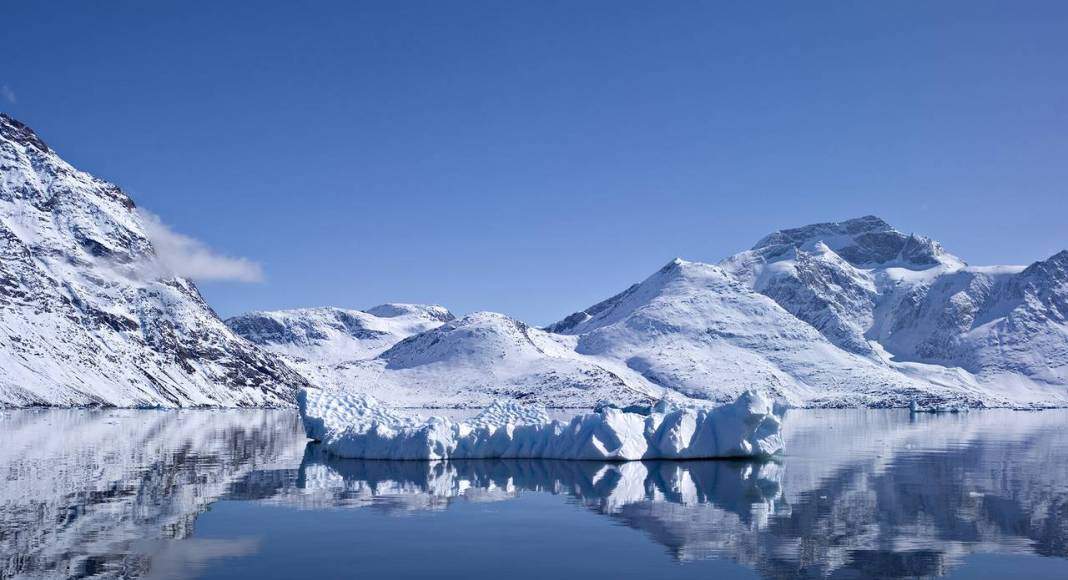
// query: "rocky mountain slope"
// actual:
[[87, 314]]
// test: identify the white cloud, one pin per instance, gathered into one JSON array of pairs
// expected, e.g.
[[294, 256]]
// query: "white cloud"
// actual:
[[8, 94], [181, 255]]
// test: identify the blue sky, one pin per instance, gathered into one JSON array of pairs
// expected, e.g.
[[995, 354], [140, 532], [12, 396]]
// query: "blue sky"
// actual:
[[536, 157]]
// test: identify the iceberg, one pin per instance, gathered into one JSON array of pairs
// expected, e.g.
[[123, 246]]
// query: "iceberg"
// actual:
[[356, 426]]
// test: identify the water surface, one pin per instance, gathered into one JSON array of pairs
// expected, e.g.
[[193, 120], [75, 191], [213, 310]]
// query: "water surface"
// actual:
[[241, 494]]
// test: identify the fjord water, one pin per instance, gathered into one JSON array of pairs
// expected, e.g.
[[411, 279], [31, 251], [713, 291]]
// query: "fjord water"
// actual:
[[241, 494]]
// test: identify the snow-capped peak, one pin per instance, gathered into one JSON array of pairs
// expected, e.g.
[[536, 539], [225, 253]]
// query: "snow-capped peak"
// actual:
[[397, 309], [475, 336], [851, 227], [619, 306], [13, 130], [864, 242]]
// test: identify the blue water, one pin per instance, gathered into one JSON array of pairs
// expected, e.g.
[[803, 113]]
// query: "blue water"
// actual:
[[214, 494]]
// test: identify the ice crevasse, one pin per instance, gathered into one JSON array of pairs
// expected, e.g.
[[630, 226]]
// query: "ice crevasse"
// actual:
[[360, 427]]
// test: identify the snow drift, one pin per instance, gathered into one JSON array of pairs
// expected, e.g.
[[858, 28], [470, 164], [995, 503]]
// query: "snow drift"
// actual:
[[359, 427]]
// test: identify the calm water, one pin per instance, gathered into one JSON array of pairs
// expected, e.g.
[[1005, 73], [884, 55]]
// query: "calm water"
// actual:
[[211, 494]]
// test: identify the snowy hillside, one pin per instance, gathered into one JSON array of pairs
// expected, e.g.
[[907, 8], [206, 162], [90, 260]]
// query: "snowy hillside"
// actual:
[[471, 361], [872, 290], [695, 329], [87, 313], [421, 356], [322, 342]]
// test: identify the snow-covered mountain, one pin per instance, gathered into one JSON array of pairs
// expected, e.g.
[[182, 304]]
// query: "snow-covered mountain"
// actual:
[[696, 329], [322, 343], [843, 314], [825, 274], [828, 315], [422, 356], [471, 361], [998, 323], [854, 313], [87, 314], [902, 299]]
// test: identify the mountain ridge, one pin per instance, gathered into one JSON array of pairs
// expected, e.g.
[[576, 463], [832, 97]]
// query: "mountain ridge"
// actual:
[[87, 316], [870, 291]]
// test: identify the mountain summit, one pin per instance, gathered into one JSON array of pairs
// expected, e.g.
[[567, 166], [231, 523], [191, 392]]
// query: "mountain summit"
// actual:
[[87, 317], [875, 291], [863, 242], [842, 314]]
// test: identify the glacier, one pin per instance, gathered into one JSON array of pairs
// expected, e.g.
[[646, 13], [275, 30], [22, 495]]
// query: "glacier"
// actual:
[[360, 427]]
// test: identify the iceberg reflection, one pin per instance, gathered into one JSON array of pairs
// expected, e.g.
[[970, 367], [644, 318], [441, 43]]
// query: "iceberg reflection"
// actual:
[[750, 490], [868, 493]]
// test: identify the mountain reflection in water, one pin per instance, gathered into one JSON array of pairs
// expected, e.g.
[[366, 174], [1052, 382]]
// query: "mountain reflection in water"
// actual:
[[116, 493]]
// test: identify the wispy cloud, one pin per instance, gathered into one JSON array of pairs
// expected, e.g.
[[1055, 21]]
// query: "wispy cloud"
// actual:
[[7, 94], [181, 255]]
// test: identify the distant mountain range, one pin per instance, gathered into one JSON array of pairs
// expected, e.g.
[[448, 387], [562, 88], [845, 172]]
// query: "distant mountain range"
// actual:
[[854, 313]]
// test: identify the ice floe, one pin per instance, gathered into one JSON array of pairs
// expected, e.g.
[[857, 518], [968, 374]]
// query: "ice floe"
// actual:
[[359, 427]]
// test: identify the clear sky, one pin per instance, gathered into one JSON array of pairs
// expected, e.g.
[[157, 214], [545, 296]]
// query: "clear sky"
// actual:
[[535, 157]]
